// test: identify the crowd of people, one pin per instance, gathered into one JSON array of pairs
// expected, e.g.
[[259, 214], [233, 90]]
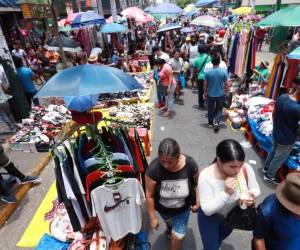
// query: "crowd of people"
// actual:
[[174, 184]]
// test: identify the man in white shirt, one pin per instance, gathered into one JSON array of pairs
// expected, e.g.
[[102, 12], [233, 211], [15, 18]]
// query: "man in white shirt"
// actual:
[[159, 54], [17, 51]]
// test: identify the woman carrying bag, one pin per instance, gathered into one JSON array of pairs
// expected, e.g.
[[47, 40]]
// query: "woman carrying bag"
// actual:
[[225, 186]]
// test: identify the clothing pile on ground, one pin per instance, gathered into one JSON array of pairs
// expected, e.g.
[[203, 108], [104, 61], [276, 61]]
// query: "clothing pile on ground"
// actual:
[[261, 124], [138, 114], [42, 125]]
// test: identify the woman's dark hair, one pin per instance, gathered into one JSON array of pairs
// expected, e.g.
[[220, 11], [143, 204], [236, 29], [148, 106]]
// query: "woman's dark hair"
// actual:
[[160, 61], [229, 150], [176, 50], [169, 147], [18, 61]]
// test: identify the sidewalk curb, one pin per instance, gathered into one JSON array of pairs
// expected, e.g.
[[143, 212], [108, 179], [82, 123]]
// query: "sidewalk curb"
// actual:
[[8, 210]]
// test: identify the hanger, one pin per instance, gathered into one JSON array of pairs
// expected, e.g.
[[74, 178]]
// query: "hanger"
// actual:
[[114, 182]]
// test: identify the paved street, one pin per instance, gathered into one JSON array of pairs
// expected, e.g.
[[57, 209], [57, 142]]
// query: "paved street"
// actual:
[[189, 128]]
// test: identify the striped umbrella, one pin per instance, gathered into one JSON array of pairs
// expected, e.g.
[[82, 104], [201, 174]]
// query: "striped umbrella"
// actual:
[[207, 21], [295, 54]]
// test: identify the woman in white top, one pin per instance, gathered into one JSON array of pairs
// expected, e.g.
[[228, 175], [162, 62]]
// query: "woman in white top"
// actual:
[[222, 186]]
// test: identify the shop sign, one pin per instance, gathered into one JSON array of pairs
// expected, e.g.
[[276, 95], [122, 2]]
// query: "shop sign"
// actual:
[[37, 11]]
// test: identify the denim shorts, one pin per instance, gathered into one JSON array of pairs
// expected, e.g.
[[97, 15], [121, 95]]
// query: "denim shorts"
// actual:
[[178, 223]]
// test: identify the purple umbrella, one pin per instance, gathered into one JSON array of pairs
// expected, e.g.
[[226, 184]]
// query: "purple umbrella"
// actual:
[[86, 19]]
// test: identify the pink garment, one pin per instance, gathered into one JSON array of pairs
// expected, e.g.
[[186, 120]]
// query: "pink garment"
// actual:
[[241, 53], [164, 75]]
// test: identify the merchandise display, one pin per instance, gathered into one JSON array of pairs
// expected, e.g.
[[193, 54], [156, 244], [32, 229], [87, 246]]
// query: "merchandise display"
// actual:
[[42, 125], [261, 123], [140, 115]]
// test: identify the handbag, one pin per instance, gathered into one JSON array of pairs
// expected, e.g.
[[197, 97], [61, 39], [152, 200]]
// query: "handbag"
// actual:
[[243, 219], [137, 242]]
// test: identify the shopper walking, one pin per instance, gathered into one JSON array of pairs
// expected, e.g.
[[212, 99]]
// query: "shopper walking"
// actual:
[[202, 60], [278, 221], [222, 185], [13, 171], [215, 80], [177, 65], [171, 181], [286, 118], [193, 54], [167, 85], [26, 76]]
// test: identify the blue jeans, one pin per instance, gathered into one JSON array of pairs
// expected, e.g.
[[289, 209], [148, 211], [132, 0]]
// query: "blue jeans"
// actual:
[[276, 157], [212, 230], [178, 223], [170, 98], [215, 109], [160, 97]]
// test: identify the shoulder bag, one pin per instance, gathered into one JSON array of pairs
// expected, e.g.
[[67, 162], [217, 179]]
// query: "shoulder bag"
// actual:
[[243, 219]]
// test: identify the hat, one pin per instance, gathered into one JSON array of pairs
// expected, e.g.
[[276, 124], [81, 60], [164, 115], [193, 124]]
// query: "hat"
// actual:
[[265, 63], [219, 41], [288, 193], [93, 58], [52, 59], [188, 39]]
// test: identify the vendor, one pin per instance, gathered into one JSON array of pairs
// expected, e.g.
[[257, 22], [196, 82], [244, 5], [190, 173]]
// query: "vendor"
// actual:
[[262, 72]]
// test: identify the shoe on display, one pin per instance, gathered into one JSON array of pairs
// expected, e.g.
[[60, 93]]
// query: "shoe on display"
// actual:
[[8, 198], [273, 180], [28, 179]]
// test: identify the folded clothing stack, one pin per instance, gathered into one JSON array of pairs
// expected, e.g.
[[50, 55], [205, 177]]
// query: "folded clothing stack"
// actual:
[[42, 125], [139, 115]]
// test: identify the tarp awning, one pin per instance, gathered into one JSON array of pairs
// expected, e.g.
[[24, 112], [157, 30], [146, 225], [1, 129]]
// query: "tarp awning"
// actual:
[[9, 3]]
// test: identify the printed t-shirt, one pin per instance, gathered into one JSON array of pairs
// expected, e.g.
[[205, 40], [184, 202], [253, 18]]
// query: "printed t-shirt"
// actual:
[[113, 206], [173, 189]]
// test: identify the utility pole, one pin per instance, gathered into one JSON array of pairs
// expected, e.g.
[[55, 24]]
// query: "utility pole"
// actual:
[[56, 33], [113, 8], [278, 5], [100, 7]]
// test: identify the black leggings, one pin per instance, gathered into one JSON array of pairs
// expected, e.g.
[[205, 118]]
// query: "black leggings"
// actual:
[[12, 170]]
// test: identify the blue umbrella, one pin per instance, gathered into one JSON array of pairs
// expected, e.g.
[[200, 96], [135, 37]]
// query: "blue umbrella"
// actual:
[[169, 26], [187, 30], [167, 8], [202, 3], [80, 103], [295, 54], [88, 79], [86, 19], [112, 28]]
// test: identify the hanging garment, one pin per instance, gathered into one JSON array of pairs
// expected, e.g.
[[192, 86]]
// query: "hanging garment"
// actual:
[[113, 205], [240, 58], [292, 72], [273, 76], [233, 57]]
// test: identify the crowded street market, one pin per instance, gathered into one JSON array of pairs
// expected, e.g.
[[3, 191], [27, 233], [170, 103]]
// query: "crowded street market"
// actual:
[[137, 125]]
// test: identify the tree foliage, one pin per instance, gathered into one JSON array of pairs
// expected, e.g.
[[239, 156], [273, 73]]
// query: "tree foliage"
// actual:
[[183, 3]]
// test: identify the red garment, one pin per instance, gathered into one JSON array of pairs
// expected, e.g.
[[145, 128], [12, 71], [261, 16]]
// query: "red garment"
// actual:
[[260, 33], [137, 154], [98, 174], [291, 73]]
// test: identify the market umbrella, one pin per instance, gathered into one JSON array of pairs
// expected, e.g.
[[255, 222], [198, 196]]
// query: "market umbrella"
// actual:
[[169, 26], [119, 19], [207, 21], [135, 13], [88, 79], [68, 44], [167, 8], [242, 11], [202, 3], [191, 13], [80, 103], [86, 19], [112, 28], [187, 30], [295, 54], [289, 16]]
